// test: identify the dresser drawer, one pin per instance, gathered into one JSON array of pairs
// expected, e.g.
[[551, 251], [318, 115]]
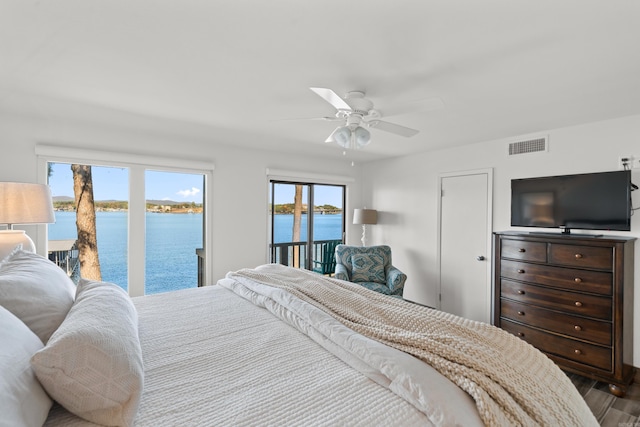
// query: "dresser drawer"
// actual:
[[596, 331], [598, 282], [581, 256], [578, 351], [554, 299], [522, 250]]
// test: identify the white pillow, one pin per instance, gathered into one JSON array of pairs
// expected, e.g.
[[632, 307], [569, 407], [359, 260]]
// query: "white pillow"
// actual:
[[92, 364], [36, 291], [23, 401]]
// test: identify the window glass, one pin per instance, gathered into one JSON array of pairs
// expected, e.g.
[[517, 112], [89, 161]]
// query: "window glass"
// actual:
[[173, 217], [110, 194], [306, 222], [174, 226]]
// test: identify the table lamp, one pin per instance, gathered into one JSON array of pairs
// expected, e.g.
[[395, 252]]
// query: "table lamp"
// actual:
[[22, 203], [364, 217]]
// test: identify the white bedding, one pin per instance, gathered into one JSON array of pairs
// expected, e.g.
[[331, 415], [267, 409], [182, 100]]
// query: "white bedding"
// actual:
[[212, 357]]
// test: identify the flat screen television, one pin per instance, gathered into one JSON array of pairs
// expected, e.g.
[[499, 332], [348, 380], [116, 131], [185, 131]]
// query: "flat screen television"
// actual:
[[590, 201]]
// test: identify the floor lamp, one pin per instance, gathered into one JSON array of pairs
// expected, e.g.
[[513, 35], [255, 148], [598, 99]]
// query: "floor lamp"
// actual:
[[22, 203], [364, 217]]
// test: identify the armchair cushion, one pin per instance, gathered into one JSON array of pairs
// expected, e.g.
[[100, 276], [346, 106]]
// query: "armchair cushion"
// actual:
[[367, 268], [341, 272]]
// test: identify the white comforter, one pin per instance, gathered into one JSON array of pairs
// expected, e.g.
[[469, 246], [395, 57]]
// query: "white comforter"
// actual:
[[213, 358]]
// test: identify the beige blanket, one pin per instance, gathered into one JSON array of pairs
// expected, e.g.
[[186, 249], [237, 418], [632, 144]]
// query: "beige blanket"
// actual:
[[511, 382]]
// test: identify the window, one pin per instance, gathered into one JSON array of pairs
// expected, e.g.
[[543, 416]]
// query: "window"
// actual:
[[150, 217], [174, 230], [305, 218]]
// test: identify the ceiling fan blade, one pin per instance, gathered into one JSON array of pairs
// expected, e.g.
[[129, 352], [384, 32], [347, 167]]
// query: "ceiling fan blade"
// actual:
[[332, 98], [420, 106], [326, 119], [393, 128]]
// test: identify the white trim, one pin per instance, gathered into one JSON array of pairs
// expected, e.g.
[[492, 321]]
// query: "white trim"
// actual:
[[489, 252], [314, 178], [137, 164], [137, 231], [97, 157]]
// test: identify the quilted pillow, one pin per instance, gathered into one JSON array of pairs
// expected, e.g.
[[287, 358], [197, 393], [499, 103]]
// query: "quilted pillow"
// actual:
[[367, 268], [92, 364], [23, 401], [36, 291]]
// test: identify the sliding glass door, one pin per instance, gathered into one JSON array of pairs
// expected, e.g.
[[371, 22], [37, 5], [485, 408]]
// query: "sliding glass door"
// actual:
[[307, 221]]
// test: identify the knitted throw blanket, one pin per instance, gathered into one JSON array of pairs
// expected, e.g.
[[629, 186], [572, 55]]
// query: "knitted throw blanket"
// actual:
[[511, 382]]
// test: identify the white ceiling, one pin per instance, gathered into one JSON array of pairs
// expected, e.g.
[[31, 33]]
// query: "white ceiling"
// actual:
[[236, 69]]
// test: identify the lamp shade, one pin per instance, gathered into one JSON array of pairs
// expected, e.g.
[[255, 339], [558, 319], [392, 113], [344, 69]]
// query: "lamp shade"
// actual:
[[24, 203], [365, 216]]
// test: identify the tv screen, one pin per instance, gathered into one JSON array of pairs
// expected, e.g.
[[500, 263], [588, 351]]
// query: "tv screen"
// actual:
[[591, 201]]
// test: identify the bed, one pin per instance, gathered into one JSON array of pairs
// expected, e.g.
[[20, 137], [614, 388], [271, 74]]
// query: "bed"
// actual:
[[265, 346]]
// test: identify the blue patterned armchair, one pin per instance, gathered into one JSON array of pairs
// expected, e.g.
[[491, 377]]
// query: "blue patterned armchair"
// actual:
[[369, 266]]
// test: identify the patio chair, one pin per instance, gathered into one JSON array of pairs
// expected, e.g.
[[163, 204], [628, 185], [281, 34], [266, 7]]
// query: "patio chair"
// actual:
[[327, 262], [369, 266]]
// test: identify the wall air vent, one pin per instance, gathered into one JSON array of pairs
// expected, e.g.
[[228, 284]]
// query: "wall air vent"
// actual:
[[529, 146]]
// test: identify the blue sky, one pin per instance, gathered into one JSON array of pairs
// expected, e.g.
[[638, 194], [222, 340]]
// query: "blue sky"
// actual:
[[110, 183], [323, 194]]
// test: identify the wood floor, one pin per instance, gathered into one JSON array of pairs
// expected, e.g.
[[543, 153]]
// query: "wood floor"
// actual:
[[610, 411]]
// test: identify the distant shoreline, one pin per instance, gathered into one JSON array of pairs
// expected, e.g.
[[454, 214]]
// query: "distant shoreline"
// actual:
[[174, 211]]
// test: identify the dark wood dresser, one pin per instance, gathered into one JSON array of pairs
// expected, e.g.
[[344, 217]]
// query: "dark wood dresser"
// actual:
[[572, 298]]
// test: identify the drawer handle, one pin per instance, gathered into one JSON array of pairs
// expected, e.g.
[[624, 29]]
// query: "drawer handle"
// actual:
[[578, 256], [522, 250], [577, 280], [577, 328], [576, 351], [521, 313], [520, 292], [578, 304], [521, 271], [521, 334]]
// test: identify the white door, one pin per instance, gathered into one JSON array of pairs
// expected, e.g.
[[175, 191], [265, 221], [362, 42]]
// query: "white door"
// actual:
[[465, 244]]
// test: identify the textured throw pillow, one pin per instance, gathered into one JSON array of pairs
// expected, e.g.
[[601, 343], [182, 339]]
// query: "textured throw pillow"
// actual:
[[23, 401], [92, 364], [36, 291], [367, 268]]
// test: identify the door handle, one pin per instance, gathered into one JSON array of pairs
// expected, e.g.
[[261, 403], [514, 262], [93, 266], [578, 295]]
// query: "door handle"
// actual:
[[480, 258]]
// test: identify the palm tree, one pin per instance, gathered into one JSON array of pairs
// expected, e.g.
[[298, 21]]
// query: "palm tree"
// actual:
[[297, 220], [86, 222]]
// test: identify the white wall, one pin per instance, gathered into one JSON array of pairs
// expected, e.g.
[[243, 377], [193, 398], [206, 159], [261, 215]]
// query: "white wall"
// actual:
[[240, 190], [405, 192]]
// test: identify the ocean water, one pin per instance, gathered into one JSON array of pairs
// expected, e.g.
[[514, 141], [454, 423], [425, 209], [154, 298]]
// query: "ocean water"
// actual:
[[325, 227], [172, 240]]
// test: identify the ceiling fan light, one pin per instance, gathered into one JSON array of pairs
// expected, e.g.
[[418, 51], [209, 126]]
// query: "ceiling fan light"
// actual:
[[342, 136], [362, 136]]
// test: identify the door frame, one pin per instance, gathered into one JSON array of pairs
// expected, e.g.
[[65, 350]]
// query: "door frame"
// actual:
[[299, 177], [488, 250]]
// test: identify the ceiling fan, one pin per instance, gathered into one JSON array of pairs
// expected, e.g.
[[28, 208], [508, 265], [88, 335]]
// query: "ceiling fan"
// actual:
[[358, 115]]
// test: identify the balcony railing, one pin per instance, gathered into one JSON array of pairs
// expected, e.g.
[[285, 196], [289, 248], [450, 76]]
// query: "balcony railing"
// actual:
[[296, 254], [64, 253]]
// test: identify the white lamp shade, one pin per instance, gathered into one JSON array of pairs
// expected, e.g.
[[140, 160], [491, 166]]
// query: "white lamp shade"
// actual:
[[365, 216], [24, 203]]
